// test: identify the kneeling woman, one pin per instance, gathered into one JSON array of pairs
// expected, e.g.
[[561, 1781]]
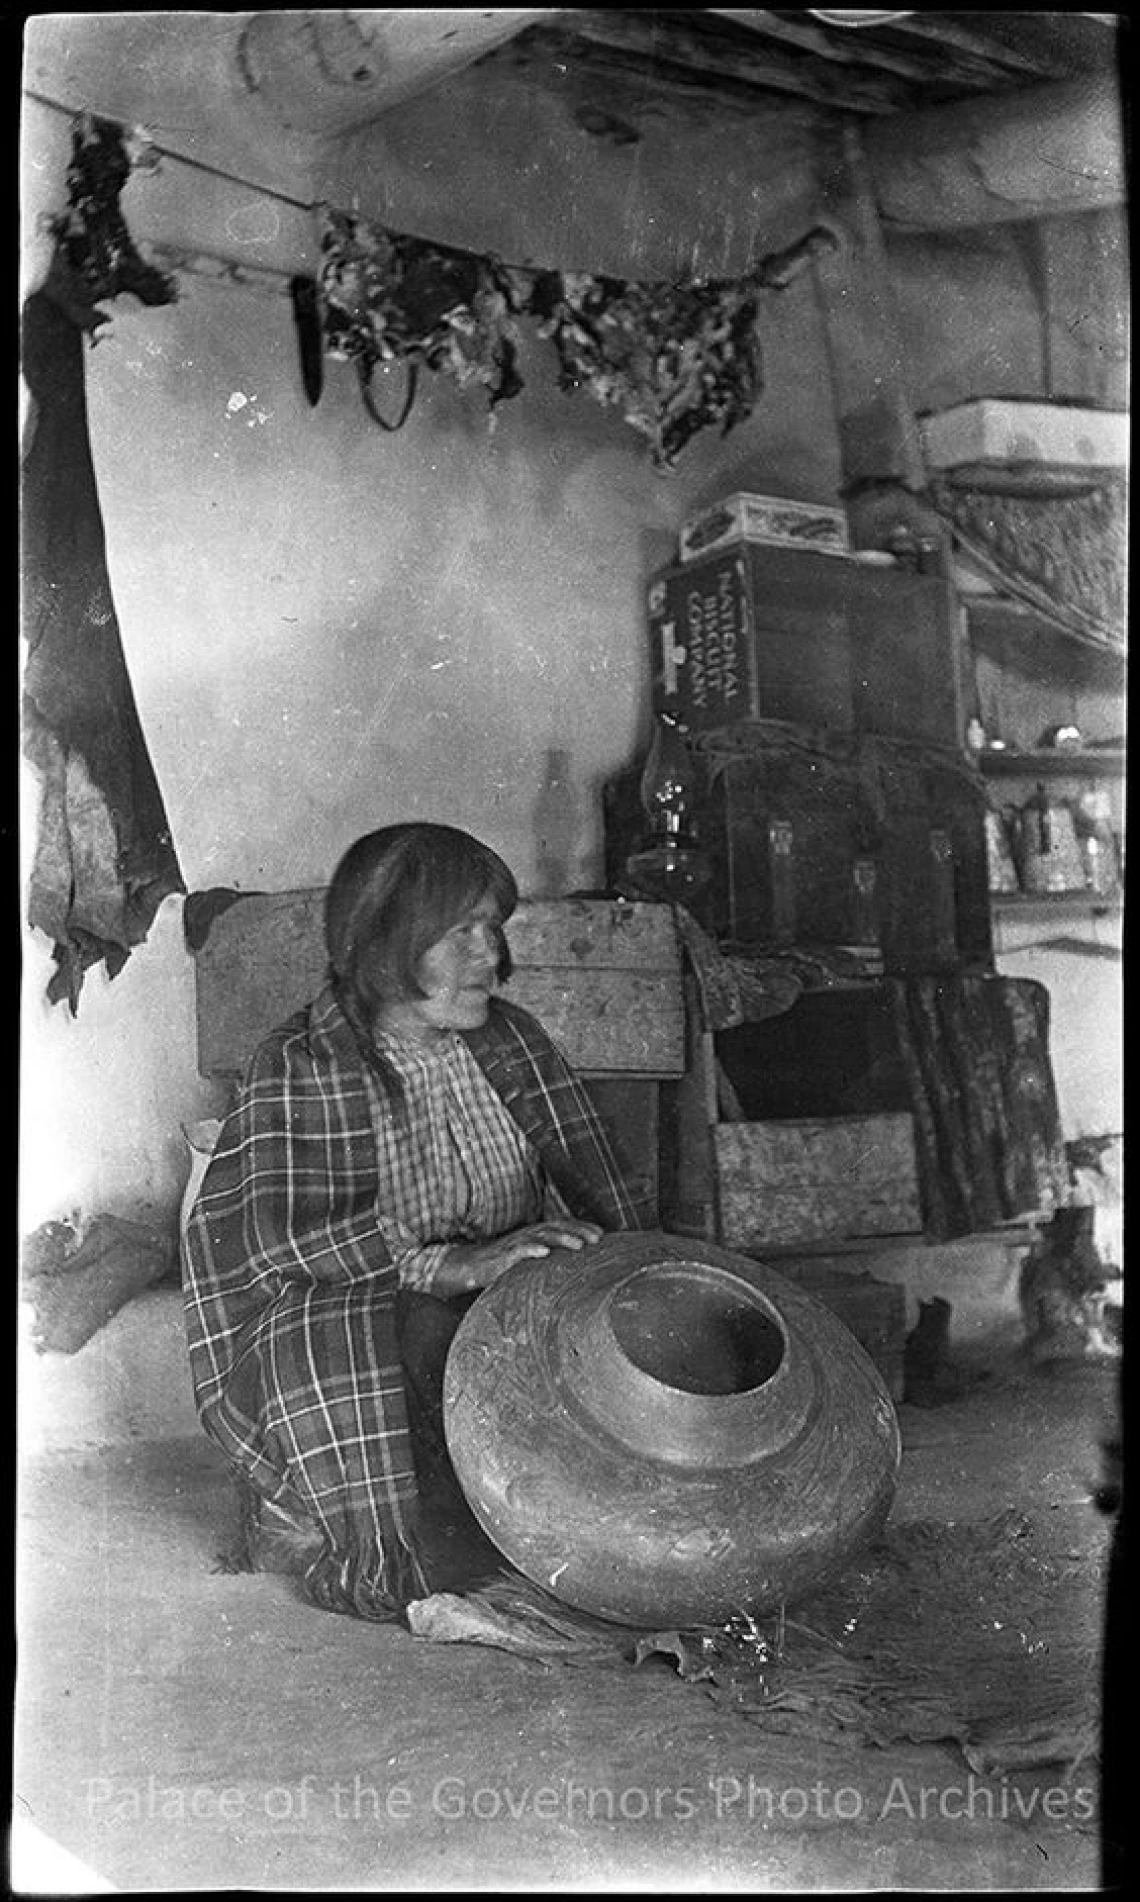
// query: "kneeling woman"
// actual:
[[393, 1149]]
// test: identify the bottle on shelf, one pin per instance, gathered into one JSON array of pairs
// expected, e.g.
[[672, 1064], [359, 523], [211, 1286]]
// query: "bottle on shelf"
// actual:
[[1048, 858], [1000, 863], [1092, 818]]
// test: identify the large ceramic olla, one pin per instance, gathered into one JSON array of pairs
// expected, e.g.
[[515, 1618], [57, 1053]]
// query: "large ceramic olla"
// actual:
[[657, 1430]]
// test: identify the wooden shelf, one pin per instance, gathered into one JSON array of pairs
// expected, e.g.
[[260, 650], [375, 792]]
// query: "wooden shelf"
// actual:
[[996, 611], [1034, 906], [1055, 762]]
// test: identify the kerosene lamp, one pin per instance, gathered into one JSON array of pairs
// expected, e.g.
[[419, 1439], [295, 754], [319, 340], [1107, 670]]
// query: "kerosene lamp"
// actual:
[[669, 865]]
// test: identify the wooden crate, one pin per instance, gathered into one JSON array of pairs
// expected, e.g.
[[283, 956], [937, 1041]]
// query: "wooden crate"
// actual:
[[906, 659], [811, 1179], [874, 1311], [768, 633], [751, 633], [604, 977]]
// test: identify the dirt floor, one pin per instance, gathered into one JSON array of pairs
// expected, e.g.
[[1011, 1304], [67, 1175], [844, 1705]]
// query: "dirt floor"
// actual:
[[178, 1727]]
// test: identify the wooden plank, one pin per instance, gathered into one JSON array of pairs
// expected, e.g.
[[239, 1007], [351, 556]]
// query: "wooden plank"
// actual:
[[688, 1113], [604, 977], [986, 56], [811, 1177], [630, 1112], [591, 934], [607, 1021], [814, 39]]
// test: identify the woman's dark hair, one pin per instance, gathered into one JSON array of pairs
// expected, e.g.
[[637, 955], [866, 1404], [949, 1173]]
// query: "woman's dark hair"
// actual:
[[394, 894]]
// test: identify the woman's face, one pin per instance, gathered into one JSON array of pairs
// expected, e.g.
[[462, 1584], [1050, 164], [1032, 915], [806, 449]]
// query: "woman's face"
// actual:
[[457, 974]]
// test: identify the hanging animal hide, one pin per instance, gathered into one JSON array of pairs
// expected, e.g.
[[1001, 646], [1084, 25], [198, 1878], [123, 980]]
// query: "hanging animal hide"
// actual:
[[674, 357], [103, 859], [388, 298]]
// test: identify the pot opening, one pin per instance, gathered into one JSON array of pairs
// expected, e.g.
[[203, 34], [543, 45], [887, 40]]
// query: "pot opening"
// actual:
[[693, 1332]]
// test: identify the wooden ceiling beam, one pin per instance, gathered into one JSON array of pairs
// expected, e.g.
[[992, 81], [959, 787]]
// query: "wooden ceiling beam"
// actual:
[[976, 60], [607, 73], [855, 50], [940, 30], [696, 59]]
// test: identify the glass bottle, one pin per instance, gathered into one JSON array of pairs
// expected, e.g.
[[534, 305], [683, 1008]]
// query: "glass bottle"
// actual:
[[1092, 817]]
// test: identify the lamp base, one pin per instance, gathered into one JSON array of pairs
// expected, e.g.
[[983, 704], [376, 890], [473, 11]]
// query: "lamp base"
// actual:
[[670, 873]]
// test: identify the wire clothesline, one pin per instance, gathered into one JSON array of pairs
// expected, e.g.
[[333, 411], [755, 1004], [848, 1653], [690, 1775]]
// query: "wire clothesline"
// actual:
[[182, 158], [195, 260], [676, 355], [310, 206]]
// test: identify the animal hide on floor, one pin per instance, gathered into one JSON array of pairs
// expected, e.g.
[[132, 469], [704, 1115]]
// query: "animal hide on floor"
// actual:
[[973, 1635], [75, 1278]]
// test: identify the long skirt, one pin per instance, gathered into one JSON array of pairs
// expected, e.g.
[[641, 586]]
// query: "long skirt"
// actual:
[[410, 1529]]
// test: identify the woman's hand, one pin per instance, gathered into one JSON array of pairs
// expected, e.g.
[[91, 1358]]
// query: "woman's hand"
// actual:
[[472, 1266]]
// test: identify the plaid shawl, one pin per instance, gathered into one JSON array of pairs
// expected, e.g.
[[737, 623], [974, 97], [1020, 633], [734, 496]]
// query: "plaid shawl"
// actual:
[[290, 1283]]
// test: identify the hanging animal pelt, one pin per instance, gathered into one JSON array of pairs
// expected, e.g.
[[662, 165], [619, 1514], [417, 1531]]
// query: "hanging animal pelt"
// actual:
[[675, 357], [104, 859]]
